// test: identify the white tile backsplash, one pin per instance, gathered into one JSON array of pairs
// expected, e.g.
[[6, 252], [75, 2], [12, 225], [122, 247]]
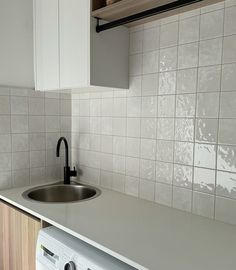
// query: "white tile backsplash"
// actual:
[[170, 138]]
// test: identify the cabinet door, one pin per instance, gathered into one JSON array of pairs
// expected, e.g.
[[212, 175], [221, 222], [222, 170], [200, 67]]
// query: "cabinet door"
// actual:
[[74, 17], [18, 237], [46, 44]]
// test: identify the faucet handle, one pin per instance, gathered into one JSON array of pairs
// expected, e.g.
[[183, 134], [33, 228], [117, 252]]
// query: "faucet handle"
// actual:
[[73, 173]]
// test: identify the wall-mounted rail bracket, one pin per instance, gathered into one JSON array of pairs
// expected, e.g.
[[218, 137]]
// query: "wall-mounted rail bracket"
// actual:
[[144, 14]]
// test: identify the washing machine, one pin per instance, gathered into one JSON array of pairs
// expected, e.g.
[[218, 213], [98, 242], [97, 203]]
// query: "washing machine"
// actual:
[[57, 250]]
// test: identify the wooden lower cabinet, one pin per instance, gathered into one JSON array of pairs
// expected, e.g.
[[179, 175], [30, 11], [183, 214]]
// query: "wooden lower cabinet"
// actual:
[[18, 236]]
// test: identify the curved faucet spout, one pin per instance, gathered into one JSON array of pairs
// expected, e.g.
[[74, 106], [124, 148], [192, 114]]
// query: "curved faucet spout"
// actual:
[[66, 150]]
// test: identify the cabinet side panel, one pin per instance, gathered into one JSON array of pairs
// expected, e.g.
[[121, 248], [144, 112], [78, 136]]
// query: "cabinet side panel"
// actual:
[[46, 44], [74, 43], [109, 57]]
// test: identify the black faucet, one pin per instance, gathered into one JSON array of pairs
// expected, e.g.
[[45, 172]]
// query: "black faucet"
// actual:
[[67, 172]]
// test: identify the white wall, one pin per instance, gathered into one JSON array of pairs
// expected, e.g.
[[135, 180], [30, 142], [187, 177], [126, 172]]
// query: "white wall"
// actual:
[[16, 43]]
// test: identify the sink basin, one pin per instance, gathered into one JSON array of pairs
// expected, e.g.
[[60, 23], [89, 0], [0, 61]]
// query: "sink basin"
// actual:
[[60, 193]]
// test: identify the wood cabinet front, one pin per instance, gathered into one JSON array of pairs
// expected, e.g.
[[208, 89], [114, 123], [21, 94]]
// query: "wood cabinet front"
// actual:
[[18, 237]]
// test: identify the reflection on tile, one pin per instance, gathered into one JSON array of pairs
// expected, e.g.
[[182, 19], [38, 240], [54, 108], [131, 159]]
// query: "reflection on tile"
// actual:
[[226, 184], [164, 172], [206, 130], [203, 204], [184, 129], [226, 158], [184, 153], [183, 176], [185, 105], [167, 83], [165, 150], [148, 128], [168, 59], [205, 155], [150, 62], [163, 194], [148, 149], [204, 180], [182, 198]]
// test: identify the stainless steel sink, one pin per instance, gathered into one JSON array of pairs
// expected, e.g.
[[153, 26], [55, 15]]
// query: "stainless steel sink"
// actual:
[[60, 193]]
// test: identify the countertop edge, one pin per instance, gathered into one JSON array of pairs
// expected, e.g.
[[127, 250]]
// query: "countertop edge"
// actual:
[[77, 235]]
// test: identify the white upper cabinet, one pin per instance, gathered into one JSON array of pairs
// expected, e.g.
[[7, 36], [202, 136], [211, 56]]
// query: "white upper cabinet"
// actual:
[[69, 54]]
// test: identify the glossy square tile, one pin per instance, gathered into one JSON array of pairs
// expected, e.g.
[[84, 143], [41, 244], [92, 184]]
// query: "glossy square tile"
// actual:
[[184, 130], [226, 184], [5, 143], [204, 180], [168, 59], [118, 164], [166, 106], [222, 215], [5, 124], [132, 186], [135, 64], [20, 142], [52, 107], [119, 145], [148, 128], [211, 25], [118, 126], [20, 123], [164, 172], [148, 149], [183, 176], [132, 147], [167, 83], [118, 183], [150, 84], [136, 42], [106, 179], [151, 39], [227, 131], [147, 169], [230, 3], [183, 153], [228, 77], [209, 79], [147, 190], [5, 162], [188, 56], [205, 155], [230, 21], [119, 107], [169, 35], [208, 105], [135, 86], [133, 127], [229, 49], [226, 158], [189, 30], [134, 107], [165, 128], [210, 52], [149, 106], [185, 105], [187, 81], [20, 160], [132, 166], [5, 107], [165, 150], [106, 144], [182, 199], [163, 194], [19, 105], [150, 62], [227, 105], [203, 204], [206, 130], [36, 106], [21, 178], [106, 107]]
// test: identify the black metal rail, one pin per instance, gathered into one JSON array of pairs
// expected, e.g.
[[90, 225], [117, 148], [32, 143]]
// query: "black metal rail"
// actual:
[[145, 14]]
